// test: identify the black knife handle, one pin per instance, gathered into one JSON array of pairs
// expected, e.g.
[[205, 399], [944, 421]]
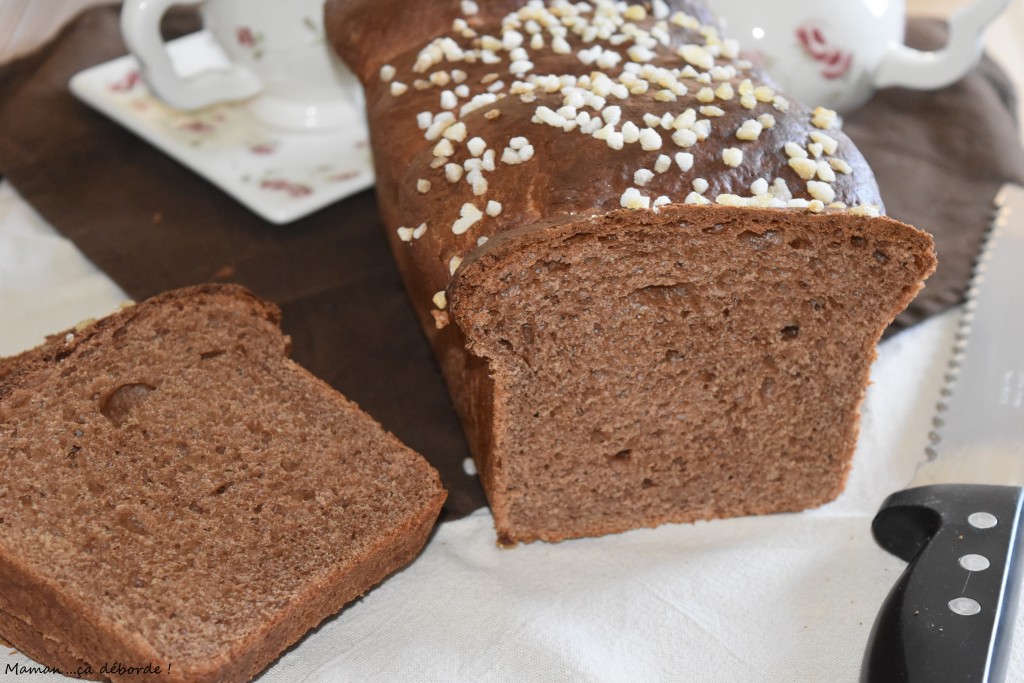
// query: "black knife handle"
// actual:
[[950, 615]]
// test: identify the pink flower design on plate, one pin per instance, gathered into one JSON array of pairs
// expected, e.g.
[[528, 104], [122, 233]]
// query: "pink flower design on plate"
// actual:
[[250, 40], [263, 148], [197, 126], [245, 36], [835, 61], [288, 187], [342, 176], [129, 81]]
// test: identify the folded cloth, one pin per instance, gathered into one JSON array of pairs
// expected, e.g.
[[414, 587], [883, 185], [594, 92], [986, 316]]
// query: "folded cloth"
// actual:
[[153, 225]]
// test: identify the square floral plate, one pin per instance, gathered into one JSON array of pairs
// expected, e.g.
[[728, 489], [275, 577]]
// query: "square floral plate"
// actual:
[[281, 175]]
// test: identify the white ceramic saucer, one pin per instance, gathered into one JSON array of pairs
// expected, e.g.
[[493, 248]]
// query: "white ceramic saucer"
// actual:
[[282, 175]]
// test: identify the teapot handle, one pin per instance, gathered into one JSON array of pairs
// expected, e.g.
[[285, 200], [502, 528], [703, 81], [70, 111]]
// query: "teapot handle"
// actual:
[[931, 70], [140, 27]]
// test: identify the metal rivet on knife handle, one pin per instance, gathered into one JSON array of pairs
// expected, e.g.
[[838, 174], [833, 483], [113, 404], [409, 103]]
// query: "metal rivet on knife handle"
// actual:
[[982, 520], [975, 563]]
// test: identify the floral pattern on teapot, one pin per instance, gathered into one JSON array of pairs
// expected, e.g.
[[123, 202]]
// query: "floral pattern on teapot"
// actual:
[[835, 61]]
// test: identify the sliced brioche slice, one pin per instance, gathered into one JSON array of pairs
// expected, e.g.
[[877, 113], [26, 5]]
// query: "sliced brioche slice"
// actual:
[[175, 491]]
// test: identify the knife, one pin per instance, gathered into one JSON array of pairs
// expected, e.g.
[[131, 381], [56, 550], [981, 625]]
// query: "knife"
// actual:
[[951, 614]]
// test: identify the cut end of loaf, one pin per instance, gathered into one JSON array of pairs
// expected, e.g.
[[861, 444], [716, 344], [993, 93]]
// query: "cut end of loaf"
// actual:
[[697, 363]]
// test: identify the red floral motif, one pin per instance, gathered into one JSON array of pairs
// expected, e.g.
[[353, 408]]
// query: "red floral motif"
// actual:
[[130, 80], [263, 148], [197, 126], [835, 60], [245, 36], [343, 176], [287, 186]]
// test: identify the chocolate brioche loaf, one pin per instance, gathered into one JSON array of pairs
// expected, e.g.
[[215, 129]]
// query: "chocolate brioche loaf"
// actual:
[[176, 493], [653, 283]]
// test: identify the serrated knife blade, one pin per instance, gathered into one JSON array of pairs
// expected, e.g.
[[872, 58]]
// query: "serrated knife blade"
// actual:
[[950, 615], [979, 424]]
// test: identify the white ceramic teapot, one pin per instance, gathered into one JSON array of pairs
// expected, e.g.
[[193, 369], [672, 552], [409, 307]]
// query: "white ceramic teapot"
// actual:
[[837, 52]]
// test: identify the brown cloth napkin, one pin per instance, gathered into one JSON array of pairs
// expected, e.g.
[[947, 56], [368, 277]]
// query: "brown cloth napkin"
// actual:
[[153, 225], [940, 158]]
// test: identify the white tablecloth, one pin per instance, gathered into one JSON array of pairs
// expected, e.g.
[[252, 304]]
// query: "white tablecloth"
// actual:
[[788, 598]]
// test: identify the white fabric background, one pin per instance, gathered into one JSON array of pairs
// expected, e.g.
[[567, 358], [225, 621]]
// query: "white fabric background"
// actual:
[[787, 598]]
